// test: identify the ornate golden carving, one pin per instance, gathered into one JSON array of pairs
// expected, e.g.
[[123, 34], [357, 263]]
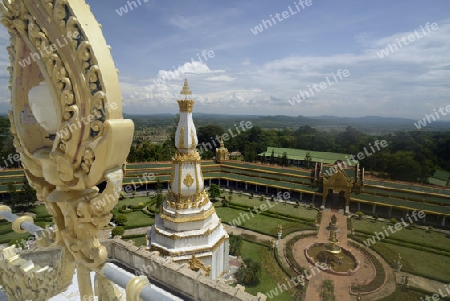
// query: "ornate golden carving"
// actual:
[[195, 265], [186, 90], [186, 105], [21, 279], [87, 160], [191, 157], [92, 138], [193, 144], [338, 181], [179, 201], [182, 137], [188, 180]]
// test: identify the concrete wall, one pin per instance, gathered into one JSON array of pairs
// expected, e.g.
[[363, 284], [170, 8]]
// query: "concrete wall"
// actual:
[[176, 277]]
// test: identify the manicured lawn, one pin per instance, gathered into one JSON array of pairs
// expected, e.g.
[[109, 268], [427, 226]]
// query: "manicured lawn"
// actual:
[[281, 207], [5, 238], [415, 261], [260, 223], [252, 250], [138, 219], [413, 235], [133, 201], [411, 294], [6, 228]]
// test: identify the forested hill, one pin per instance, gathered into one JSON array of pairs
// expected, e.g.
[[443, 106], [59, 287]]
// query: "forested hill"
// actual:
[[371, 125]]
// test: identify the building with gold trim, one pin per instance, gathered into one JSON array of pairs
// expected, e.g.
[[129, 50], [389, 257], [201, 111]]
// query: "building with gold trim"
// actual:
[[188, 228]]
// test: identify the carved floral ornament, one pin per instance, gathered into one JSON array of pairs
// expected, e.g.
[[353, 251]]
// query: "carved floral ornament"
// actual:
[[90, 140], [195, 264], [188, 180]]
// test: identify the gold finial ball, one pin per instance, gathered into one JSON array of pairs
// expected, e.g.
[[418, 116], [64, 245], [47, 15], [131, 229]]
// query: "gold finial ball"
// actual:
[[186, 90]]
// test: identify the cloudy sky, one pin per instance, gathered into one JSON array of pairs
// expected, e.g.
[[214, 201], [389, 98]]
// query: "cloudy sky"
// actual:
[[257, 71]]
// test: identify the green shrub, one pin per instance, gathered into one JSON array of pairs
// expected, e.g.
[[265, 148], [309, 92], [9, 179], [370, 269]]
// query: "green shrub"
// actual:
[[360, 214], [249, 273], [119, 230], [121, 219], [235, 244], [328, 291]]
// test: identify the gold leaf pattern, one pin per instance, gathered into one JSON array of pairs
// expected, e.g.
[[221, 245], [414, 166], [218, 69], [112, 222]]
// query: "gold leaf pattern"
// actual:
[[188, 180]]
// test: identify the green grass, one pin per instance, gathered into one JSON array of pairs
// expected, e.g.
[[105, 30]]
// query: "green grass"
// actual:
[[252, 250], [133, 201], [5, 238], [259, 223], [409, 295], [8, 233], [138, 219], [414, 235], [281, 208], [416, 262]]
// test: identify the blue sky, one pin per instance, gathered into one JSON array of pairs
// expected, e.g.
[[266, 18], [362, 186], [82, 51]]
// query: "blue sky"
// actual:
[[258, 74]]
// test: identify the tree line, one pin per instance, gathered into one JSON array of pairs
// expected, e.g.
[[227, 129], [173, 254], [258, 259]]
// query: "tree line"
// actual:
[[409, 156]]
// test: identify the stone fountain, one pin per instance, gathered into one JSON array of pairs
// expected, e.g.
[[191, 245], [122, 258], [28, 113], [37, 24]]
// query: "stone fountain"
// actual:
[[338, 260]]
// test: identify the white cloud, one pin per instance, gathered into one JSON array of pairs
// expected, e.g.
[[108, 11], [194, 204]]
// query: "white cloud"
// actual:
[[221, 78]]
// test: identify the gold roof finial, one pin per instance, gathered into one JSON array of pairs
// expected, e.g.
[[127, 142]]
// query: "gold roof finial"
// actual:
[[186, 104], [186, 90]]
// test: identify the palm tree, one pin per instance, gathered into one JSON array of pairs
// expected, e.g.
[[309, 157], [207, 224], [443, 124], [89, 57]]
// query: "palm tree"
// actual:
[[250, 272]]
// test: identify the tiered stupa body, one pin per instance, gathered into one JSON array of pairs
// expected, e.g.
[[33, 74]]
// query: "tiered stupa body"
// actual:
[[188, 228]]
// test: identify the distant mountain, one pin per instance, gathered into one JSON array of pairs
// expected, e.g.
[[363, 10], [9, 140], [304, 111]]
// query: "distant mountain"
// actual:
[[373, 125]]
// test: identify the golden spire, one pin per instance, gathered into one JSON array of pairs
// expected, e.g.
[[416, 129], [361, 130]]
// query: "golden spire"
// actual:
[[186, 90], [186, 104]]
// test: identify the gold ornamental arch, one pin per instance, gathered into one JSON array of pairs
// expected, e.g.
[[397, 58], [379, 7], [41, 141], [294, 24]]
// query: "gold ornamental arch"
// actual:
[[337, 182], [67, 121]]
